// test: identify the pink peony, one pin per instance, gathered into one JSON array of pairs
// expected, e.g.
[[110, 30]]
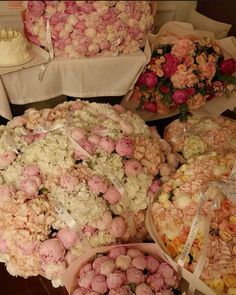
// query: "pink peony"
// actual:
[[51, 251], [116, 279], [105, 221], [6, 159], [94, 139], [28, 247], [107, 267], [132, 167], [99, 284], [180, 96], [150, 107], [152, 264], [148, 79], [58, 18], [89, 230], [123, 262], [117, 251], [190, 91], [135, 276], [37, 8], [123, 290], [107, 144], [37, 179], [170, 65], [125, 147], [143, 289], [97, 184], [228, 66], [30, 187], [85, 280], [5, 193], [156, 282], [78, 291], [78, 133], [171, 282], [69, 182], [67, 237], [85, 268], [118, 227], [134, 252], [31, 170], [139, 262], [112, 195], [98, 262], [71, 7]]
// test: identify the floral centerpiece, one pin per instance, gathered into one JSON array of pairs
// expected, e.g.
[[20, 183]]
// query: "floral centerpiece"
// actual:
[[90, 28], [77, 176], [177, 206], [197, 136], [184, 75]]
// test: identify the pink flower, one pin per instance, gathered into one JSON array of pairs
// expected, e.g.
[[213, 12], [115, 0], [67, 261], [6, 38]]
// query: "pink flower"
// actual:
[[6, 159], [37, 179], [166, 270], [118, 227], [36, 7], [139, 262], [69, 182], [80, 26], [135, 276], [98, 262], [3, 245], [180, 96], [171, 282], [134, 252], [105, 221], [119, 108], [89, 230], [155, 186], [112, 195], [99, 284], [94, 139], [71, 7], [31, 170], [123, 262], [78, 133], [170, 65], [116, 279], [67, 237], [85, 280], [107, 144], [228, 66], [190, 91], [86, 7], [150, 107], [78, 291], [58, 18], [87, 146], [76, 106], [51, 251], [156, 282], [152, 264], [29, 138], [97, 184], [30, 187], [85, 268], [208, 70], [143, 289], [5, 193], [125, 147], [148, 79], [107, 267], [123, 290], [117, 251], [132, 167]]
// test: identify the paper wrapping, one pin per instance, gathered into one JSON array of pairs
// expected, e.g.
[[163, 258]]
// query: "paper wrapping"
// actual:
[[169, 33]]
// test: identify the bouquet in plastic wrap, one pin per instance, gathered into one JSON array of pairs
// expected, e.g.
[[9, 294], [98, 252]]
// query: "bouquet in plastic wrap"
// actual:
[[78, 176]]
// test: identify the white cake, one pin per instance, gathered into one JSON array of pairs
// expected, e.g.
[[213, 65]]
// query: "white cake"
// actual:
[[13, 48]]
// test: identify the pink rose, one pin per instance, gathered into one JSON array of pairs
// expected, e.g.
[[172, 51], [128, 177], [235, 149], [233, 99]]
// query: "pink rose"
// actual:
[[51, 251], [30, 187], [107, 144], [118, 227], [97, 184], [156, 282], [67, 237], [152, 264], [139, 262], [78, 133], [180, 96], [170, 65], [125, 147], [31, 170], [117, 251], [150, 107], [112, 195], [99, 284], [6, 159], [228, 66], [71, 7], [116, 279], [36, 7], [148, 79], [143, 289], [5, 193], [98, 262], [85, 280], [69, 182], [135, 276], [132, 167]]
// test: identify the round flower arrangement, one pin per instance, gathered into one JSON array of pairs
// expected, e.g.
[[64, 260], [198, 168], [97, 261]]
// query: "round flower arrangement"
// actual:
[[176, 208], [126, 271], [200, 135], [90, 28], [76, 176]]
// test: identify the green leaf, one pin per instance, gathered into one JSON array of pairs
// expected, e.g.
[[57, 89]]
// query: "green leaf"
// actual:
[[229, 79], [171, 195], [43, 190], [133, 287], [167, 99], [183, 117]]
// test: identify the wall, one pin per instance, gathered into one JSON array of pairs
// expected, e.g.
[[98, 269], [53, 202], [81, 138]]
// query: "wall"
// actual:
[[167, 10]]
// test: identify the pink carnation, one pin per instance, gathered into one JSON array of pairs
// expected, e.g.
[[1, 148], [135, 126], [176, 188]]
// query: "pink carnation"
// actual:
[[97, 184], [125, 147], [36, 7], [170, 65]]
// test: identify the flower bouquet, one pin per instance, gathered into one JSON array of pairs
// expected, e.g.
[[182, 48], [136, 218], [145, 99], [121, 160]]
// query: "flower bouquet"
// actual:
[[194, 221], [197, 136], [74, 177], [183, 75], [89, 28], [123, 269]]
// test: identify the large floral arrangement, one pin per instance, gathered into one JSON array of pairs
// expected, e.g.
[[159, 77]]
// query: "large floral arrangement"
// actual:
[[184, 75], [90, 28], [77, 176], [176, 207], [197, 136]]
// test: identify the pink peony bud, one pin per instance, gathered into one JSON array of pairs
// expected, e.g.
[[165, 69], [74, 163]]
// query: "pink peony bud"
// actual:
[[135, 276], [107, 144], [152, 264], [67, 237], [97, 184], [155, 281], [139, 262], [132, 167], [148, 79], [69, 182], [97, 264], [29, 187], [85, 280], [118, 227], [117, 251], [85, 268], [31, 170], [228, 66], [116, 279], [112, 195], [180, 96], [143, 289], [123, 262], [150, 107], [99, 284], [51, 251], [125, 147]]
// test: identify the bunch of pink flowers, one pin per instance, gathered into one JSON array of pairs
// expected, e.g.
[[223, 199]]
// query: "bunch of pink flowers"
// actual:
[[90, 28]]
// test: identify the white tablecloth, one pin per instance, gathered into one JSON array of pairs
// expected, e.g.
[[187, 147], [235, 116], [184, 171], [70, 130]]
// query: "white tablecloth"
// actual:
[[91, 77]]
